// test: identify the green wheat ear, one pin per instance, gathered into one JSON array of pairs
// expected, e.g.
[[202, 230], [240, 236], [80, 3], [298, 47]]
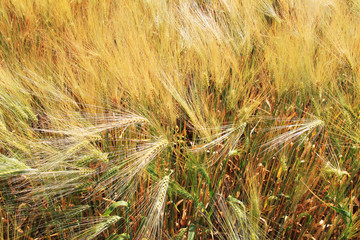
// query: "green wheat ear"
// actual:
[[152, 227], [233, 219], [93, 231], [10, 167]]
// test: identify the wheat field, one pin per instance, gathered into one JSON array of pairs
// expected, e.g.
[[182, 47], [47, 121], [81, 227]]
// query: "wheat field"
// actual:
[[183, 119]]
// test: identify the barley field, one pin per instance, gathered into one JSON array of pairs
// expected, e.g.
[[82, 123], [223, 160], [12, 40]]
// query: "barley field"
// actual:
[[179, 119]]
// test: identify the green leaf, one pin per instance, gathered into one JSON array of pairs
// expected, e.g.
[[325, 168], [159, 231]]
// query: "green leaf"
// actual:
[[345, 214], [122, 236], [115, 205], [191, 234]]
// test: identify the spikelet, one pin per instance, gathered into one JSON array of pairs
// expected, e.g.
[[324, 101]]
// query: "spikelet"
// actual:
[[86, 171], [11, 167], [2, 122], [315, 124], [332, 165], [93, 231], [127, 173], [331, 169], [94, 156], [19, 112], [2, 125], [64, 216], [302, 130], [162, 194], [223, 145], [77, 147], [267, 8], [52, 184], [121, 121], [161, 144], [84, 185], [233, 220], [152, 227]]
